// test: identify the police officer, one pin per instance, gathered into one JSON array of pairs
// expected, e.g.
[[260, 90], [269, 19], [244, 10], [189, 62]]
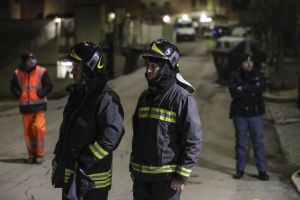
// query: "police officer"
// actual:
[[167, 132], [246, 85], [91, 129]]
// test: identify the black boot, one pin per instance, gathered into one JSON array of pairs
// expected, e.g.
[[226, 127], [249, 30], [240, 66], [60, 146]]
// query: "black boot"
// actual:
[[263, 176], [238, 175]]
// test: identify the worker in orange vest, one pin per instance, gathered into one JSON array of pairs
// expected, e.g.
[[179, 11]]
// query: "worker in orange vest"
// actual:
[[31, 84]]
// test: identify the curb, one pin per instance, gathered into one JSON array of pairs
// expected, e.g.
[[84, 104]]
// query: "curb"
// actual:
[[295, 178]]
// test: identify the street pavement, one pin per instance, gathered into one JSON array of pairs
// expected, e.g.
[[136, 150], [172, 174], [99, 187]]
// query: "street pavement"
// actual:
[[211, 179]]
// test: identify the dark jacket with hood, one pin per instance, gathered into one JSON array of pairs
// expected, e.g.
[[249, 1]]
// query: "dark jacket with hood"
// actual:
[[248, 100], [46, 88], [91, 129], [167, 132]]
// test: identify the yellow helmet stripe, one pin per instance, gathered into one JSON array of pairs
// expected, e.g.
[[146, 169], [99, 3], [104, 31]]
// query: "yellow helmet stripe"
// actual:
[[99, 66], [156, 49], [74, 55]]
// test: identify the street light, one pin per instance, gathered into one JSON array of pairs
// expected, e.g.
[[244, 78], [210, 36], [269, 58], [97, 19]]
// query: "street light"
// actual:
[[57, 20], [111, 17], [185, 17], [204, 18], [166, 19]]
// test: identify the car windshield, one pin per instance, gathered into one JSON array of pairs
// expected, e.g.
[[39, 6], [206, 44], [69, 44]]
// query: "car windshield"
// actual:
[[185, 25]]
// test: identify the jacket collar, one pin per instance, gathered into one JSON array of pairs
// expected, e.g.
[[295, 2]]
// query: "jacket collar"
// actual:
[[88, 87]]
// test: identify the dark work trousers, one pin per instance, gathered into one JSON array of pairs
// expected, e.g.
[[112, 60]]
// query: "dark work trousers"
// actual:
[[254, 126], [93, 194], [154, 190]]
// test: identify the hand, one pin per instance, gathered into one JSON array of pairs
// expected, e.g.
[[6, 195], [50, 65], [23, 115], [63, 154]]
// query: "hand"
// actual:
[[175, 185]]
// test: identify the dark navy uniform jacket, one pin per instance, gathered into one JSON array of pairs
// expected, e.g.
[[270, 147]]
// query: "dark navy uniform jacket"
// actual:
[[247, 101], [167, 136]]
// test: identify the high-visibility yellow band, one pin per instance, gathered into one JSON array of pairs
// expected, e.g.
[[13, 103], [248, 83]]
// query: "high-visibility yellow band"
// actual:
[[183, 174], [74, 55], [154, 116], [99, 66], [157, 113], [68, 173], [102, 184], [99, 148], [102, 179], [156, 49], [160, 169], [101, 176], [153, 169], [98, 151], [154, 109], [94, 151], [183, 171]]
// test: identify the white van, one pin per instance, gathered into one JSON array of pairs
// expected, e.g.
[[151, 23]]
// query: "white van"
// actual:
[[185, 31]]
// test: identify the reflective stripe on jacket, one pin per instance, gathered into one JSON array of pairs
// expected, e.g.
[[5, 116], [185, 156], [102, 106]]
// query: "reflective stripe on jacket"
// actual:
[[30, 83], [167, 135]]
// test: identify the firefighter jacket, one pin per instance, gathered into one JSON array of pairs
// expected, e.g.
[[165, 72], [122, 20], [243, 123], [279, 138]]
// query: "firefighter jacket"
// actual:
[[167, 135], [91, 129], [246, 89], [31, 87]]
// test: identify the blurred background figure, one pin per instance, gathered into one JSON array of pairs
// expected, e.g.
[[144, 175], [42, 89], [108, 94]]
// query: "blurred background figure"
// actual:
[[246, 86], [31, 84]]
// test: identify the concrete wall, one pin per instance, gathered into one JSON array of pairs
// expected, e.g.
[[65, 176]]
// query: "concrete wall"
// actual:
[[88, 25], [54, 7]]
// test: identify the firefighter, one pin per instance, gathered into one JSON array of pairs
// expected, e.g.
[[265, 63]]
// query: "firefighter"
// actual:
[[91, 129], [30, 84], [167, 133]]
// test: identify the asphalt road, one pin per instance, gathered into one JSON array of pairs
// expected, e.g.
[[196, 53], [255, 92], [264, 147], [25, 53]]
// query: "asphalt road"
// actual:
[[211, 178]]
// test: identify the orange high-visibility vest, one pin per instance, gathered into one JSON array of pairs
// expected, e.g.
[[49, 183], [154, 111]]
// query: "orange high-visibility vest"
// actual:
[[29, 84]]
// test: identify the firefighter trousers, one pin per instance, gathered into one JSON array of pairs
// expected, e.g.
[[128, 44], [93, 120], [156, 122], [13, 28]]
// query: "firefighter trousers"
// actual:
[[154, 190], [34, 133]]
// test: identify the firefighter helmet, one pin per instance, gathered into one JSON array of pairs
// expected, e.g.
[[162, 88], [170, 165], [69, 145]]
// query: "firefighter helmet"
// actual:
[[165, 50], [89, 54]]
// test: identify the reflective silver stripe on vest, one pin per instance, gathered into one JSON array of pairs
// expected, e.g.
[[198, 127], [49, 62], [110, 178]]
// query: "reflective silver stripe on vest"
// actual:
[[33, 102], [157, 113], [40, 73], [29, 87]]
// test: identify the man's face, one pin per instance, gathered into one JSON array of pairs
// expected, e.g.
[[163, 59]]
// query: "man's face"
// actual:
[[247, 65], [30, 62], [152, 70], [77, 72]]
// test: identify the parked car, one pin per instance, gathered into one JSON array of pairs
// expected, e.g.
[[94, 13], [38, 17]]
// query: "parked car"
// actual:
[[185, 31], [219, 31]]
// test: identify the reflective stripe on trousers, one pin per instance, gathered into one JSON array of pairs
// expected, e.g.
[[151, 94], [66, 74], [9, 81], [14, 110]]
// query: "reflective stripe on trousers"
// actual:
[[34, 133]]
